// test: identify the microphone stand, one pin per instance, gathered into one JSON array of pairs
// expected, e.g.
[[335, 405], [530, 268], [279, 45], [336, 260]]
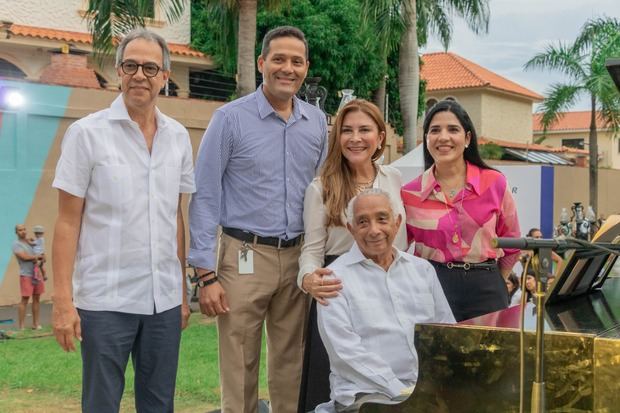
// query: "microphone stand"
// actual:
[[541, 263]]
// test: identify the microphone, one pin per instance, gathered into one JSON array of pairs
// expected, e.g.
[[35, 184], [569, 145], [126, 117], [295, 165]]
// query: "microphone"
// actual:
[[528, 243]]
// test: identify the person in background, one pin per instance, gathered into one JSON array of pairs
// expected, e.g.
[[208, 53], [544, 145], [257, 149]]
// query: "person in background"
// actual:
[[557, 260], [356, 142], [27, 259], [368, 329], [38, 245], [512, 284], [454, 211]]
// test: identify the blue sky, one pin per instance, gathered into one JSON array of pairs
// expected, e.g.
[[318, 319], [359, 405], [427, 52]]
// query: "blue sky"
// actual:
[[519, 29]]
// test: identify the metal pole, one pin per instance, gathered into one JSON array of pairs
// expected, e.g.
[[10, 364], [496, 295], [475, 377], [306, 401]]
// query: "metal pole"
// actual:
[[542, 267]]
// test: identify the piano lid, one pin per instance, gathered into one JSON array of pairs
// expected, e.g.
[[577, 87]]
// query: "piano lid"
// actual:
[[597, 313]]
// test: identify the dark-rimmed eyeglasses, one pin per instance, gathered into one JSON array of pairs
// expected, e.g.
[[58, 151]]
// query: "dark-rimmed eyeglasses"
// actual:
[[129, 67]]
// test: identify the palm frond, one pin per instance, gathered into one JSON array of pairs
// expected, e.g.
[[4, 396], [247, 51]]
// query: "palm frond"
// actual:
[[562, 58], [609, 107], [110, 19], [594, 30], [433, 19], [559, 98], [388, 21], [475, 13]]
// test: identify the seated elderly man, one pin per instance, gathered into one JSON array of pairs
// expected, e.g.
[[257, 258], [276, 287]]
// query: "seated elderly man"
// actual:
[[368, 329]]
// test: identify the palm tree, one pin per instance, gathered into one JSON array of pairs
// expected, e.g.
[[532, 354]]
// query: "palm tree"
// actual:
[[405, 25], [110, 19], [243, 13], [583, 62]]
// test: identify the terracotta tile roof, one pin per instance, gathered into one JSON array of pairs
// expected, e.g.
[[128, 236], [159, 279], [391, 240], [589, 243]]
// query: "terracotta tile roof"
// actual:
[[569, 121], [85, 38], [532, 146], [449, 71]]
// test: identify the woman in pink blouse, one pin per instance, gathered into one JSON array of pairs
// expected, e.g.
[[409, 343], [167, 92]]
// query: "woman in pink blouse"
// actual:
[[455, 209]]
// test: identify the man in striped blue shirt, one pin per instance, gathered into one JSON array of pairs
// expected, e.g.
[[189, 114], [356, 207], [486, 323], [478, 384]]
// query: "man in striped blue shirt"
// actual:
[[255, 161]]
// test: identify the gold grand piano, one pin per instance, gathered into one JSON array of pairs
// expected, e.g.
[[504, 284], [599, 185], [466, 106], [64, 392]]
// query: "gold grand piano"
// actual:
[[473, 366]]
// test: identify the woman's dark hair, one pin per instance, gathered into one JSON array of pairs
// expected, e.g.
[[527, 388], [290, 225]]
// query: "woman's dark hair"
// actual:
[[532, 231], [471, 153], [514, 280]]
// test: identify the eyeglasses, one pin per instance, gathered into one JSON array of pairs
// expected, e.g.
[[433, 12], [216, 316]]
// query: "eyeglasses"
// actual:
[[129, 67]]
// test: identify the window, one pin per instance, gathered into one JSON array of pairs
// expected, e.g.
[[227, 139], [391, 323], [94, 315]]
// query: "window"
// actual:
[[578, 143], [172, 89], [8, 69]]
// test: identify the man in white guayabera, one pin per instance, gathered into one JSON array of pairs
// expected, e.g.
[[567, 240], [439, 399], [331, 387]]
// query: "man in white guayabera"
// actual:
[[121, 176]]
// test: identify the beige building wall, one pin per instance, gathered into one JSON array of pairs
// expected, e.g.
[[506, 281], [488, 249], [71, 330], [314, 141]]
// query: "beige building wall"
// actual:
[[571, 184], [495, 115], [608, 145], [470, 99], [506, 117], [194, 114], [68, 15]]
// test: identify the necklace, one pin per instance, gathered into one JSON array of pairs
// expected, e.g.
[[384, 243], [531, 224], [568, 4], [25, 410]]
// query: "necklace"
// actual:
[[455, 235], [361, 186]]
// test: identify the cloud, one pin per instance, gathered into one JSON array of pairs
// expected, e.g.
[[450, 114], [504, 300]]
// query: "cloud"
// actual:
[[520, 29]]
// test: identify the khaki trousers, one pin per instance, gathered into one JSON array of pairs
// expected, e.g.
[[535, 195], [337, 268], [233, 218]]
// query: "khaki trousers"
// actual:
[[269, 296]]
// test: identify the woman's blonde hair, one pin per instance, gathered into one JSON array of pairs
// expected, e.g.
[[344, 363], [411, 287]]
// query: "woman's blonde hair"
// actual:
[[336, 176]]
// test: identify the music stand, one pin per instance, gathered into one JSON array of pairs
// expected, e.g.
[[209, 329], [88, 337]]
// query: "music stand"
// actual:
[[585, 271]]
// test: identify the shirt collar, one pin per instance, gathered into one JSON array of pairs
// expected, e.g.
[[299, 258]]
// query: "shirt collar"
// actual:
[[429, 183], [473, 177], [355, 256], [118, 111], [265, 109]]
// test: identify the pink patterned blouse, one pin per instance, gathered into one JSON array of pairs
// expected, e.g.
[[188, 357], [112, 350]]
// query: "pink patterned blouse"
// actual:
[[461, 230]]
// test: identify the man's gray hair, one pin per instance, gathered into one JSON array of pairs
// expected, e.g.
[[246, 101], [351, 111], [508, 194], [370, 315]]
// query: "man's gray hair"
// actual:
[[142, 33], [370, 192]]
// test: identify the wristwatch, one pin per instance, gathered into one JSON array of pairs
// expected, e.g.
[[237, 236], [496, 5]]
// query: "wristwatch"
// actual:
[[204, 283]]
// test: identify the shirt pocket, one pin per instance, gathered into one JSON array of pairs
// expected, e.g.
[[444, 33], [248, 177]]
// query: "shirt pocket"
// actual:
[[368, 316], [113, 185], [422, 308]]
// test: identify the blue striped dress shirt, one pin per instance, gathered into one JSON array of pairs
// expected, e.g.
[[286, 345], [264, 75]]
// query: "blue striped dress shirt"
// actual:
[[252, 171]]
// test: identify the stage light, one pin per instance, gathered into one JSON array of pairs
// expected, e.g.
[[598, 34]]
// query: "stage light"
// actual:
[[14, 99]]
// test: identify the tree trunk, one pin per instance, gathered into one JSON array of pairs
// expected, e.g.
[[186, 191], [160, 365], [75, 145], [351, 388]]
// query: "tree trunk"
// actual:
[[593, 158], [409, 76], [378, 95], [246, 43]]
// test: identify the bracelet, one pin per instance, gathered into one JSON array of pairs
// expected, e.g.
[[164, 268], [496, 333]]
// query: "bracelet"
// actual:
[[210, 281], [197, 277]]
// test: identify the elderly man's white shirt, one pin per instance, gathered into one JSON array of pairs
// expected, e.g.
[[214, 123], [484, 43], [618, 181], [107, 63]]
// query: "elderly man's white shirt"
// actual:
[[368, 330], [127, 252]]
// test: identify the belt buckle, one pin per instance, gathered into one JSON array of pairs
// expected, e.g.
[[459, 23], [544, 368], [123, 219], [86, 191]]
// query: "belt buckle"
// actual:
[[279, 243], [466, 266]]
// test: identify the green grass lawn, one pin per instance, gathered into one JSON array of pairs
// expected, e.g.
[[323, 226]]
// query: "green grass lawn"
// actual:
[[37, 376]]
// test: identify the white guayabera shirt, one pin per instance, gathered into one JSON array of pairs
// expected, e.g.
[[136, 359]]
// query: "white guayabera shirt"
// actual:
[[127, 251], [368, 330]]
